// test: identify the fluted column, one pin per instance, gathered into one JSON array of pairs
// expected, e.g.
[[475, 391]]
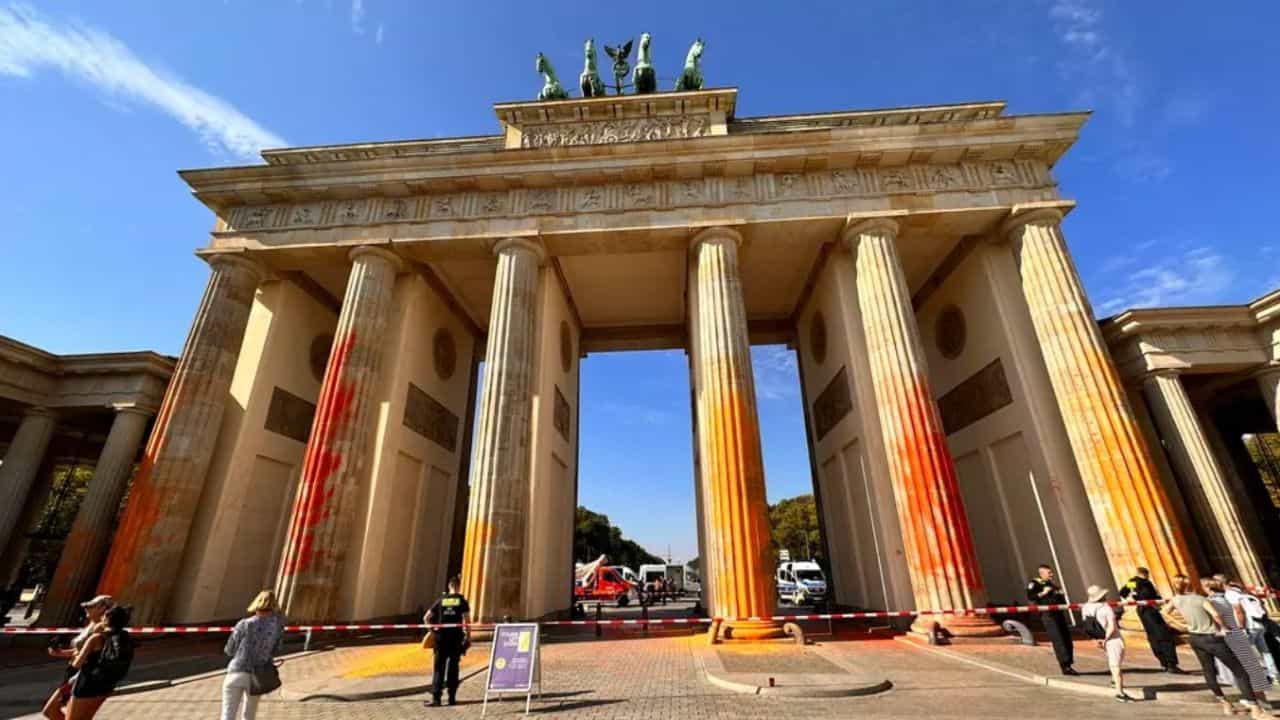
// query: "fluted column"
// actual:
[[86, 544], [21, 463], [1129, 504], [147, 549], [936, 536], [1205, 483], [334, 464], [1269, 383], [731, 466], [493, 555]]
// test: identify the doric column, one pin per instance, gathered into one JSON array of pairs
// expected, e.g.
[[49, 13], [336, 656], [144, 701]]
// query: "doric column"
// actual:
[[936, 536], [493, 555], [147, 549], [730, 465], [1129, 504], [334, 463], [86, 544], [1269, 383], [21, 463], [1205, 484]]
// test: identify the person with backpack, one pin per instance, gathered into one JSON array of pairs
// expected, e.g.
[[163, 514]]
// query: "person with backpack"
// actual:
[[251, 647], [94, 611], [1101, 624], [1206, 635], [101, 664]]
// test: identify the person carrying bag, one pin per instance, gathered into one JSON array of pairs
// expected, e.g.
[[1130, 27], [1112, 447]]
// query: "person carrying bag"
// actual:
[[252, 671]]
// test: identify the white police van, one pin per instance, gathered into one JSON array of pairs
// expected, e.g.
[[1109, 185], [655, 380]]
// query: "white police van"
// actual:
[[801, 583]]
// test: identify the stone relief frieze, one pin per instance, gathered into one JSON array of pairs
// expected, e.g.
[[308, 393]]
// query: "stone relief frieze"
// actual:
[[649, 195], [602, 132]]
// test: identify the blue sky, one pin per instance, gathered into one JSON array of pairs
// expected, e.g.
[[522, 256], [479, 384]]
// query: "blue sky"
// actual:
[[100, 103]]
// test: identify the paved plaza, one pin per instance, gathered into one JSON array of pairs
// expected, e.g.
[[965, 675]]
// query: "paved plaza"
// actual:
[[661, 677]]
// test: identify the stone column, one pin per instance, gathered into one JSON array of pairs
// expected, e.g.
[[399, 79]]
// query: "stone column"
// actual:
[[1129, 505], [21, 463], [939, 544], [493, 554], [1269, 383], [147, 549], [730, 466], [334, 464], [1205, 483], [86, 544]]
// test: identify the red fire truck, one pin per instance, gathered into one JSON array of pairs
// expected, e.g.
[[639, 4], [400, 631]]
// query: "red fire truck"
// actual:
[[597, 581]]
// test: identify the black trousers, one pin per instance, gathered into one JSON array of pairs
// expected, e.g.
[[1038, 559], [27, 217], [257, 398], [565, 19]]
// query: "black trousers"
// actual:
[[444, 673], [1055, 624], [1272, 637], [1159, 636], [1211, 647]]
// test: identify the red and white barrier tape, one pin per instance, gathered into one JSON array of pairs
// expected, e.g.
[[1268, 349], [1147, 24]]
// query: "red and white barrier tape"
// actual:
[[364, 627]]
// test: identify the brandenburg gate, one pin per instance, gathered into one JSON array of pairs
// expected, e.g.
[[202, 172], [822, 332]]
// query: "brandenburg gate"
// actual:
[[964, 419]]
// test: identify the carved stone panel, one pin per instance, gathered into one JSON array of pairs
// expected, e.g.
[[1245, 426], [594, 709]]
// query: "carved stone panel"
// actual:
[[981, 394], [562, 416], [290, 415], [444, 353], [949, 332], [429, 418], [603, 132], [832, 404]]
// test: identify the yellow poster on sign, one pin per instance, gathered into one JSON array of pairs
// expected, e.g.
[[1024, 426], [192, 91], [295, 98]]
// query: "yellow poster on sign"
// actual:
[[523, 642]]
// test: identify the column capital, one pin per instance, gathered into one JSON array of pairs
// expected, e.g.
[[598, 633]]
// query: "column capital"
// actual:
[[1050, 213], [240, 262], [1173, 373], [855, 227], [529, 244], [397, 265], [718, 233]]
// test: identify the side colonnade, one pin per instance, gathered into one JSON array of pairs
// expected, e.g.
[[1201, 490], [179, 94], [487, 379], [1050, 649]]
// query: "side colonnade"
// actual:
[[520, 503]]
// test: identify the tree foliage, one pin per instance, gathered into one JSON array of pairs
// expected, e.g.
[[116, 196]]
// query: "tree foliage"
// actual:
[[794, 526], [594, 535]]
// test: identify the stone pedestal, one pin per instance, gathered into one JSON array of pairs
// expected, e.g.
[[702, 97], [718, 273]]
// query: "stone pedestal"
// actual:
[[86, 544], [152, 535], [935, 530], [1206, 488], [493, 556], [730, 464], [21, 463], [335, 462], [1269, 384], [1129, 505]]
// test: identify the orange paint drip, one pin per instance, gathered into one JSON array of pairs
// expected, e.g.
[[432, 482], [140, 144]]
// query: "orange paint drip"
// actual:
[[134, 534]]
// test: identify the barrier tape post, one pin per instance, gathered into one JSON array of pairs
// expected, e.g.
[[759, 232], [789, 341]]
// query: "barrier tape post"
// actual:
[[306, 643]]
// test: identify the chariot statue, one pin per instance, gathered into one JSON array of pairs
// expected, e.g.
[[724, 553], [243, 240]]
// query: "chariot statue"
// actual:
[[551, 87], [645, 78], [691, 76], [589, 82], [620, 66]]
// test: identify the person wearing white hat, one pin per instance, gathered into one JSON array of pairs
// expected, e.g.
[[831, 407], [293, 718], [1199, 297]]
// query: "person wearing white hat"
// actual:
[[94, 611], [1107, 632]]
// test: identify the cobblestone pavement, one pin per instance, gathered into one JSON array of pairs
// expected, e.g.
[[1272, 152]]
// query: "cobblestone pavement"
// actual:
[[658, 678]]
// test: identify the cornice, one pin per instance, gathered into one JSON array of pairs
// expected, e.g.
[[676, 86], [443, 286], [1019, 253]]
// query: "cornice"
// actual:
[[1131, 323]]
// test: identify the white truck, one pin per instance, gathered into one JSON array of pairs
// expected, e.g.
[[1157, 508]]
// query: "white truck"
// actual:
[[674, 573], [801, 583]]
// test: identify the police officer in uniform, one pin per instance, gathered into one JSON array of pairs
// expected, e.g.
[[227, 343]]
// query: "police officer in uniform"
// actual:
[[1159, 634], [1042, 590], [451, 642]]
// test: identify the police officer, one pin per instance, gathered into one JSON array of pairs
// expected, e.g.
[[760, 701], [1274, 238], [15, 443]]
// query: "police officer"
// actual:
[[1159, 634], [1042, 590], [451, 642]]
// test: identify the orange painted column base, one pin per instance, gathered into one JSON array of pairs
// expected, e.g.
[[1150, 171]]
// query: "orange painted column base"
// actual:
[[751, 630]]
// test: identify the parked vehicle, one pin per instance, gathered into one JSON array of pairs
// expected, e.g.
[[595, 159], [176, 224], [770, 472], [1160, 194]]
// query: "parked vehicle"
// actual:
[[801, 582], [673, 572], [627, 573], [597, 581]]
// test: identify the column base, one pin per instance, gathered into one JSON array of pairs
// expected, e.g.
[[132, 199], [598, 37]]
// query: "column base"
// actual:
[[961, 626], [751, 630]]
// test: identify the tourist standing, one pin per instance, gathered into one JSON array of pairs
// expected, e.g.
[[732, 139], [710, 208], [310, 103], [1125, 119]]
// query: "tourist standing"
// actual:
[[251, 647], [1205, 639], [1254, 614], [101, 664], [1159, 635], [450, 643], [94, 611], [1099, 611], [1231, 620], [1042, 590]]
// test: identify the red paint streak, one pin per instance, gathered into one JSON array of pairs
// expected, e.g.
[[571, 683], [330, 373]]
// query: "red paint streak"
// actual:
[[140, 516], [322, 460]]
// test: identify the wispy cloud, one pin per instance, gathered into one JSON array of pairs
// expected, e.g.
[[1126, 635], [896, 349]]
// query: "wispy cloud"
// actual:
[[377, 36], [1198, 276], [774, 367], [1103, 72], [29, 43], [630, 414], [357, 16]]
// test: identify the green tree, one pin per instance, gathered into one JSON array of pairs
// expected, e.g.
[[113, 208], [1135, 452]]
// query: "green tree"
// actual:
[[794, 526], [594, 536]]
